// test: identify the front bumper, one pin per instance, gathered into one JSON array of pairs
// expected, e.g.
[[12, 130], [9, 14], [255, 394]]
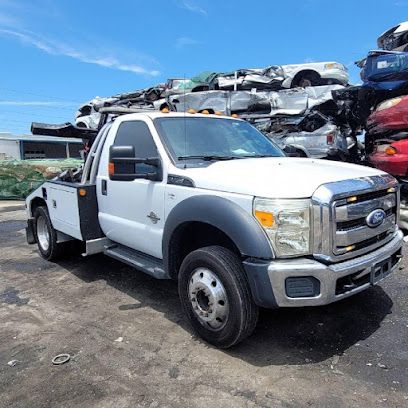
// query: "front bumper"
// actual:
[[337, 280], [339, 75]]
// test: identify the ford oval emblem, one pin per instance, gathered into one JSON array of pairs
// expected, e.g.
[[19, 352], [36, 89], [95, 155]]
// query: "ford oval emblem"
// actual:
[[375, 218]]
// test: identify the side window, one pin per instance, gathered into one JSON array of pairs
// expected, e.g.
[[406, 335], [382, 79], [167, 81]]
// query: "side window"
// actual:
[[137, 134]]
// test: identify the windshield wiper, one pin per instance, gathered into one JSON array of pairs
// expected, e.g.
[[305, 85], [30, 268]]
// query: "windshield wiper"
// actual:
[[256, 156], [208, 158]]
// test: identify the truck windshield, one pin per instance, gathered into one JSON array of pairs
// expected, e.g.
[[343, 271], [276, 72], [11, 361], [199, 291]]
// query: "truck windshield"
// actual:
[[213, 139]]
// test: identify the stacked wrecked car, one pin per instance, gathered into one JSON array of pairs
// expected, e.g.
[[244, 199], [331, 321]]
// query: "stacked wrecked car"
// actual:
[[292, 104]]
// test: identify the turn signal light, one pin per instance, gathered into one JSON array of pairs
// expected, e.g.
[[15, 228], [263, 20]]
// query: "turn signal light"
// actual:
[[191, 111], [205, 112], [82, 192], [352, 199], [390, 150], [111, 169], [265, 218], [234, 115], [165, 110]]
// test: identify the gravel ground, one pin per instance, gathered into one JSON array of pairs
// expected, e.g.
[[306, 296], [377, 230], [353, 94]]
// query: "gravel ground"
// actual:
[[131, 347]]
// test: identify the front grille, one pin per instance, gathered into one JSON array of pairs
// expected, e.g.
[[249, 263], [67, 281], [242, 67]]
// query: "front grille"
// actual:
[[360, 222], [351, 232]]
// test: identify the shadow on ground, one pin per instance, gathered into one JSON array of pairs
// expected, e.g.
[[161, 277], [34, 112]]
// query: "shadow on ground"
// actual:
[[283, 337]]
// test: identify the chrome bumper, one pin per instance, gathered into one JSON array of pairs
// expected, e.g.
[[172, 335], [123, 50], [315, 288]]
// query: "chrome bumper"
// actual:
[[279, 271]]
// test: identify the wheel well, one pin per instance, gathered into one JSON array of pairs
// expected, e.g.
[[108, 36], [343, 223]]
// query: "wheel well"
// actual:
[[302, 74], [35, 203], [190, 236]]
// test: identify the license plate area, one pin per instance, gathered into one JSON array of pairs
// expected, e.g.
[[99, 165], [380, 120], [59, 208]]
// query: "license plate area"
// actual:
[[381, 270]]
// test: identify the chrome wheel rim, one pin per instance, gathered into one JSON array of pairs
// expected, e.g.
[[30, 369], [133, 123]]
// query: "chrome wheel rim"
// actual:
[[43, 234], [208, 299]]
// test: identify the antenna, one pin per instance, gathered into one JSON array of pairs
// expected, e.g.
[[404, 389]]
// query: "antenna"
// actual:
[[184, 119]]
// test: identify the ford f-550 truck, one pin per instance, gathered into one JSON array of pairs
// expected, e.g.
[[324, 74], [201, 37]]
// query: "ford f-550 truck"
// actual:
[[212, 203]]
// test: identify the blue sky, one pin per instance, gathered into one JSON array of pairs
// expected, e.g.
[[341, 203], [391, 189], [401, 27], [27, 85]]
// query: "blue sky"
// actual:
[[57, 54]]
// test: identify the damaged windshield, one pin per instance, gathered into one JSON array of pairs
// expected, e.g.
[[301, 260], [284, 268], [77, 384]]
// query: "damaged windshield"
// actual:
[[213, 139]]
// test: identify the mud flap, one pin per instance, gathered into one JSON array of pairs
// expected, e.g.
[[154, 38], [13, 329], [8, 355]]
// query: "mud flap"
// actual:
[[30, 232]]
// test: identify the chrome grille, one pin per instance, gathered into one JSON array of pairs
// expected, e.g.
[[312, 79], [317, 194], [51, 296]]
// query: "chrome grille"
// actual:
[[352, 232], [340, 210]]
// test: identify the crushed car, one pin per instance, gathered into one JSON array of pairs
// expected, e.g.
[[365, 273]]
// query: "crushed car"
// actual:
[[389, 120], [394, 39], [391, 156], [285, 102], [313, 135], [276, 77], [385, 70]]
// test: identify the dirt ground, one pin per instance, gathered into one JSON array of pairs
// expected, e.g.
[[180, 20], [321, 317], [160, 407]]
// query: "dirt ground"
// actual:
[[131, 347]]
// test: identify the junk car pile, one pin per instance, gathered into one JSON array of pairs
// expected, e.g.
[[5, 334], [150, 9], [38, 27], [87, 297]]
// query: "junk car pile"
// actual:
[[293, 104], [308, 109]]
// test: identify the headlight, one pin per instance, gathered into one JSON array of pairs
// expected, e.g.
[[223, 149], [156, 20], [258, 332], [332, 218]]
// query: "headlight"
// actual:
[[335, 65], [388, 104], [287, 224]]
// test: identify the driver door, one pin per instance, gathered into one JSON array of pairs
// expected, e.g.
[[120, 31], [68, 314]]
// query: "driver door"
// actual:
[[132, 212]]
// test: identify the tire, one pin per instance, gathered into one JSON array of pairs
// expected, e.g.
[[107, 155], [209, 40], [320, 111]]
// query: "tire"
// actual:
[[216, 297], [45, 235], [307, 79]]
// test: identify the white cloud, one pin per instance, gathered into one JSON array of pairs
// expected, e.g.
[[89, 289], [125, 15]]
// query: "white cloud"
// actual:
[[36, 103], [53, 47], [193, 7], [185, 42]]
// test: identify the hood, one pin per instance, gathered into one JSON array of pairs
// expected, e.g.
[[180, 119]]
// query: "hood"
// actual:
[[275, 177]]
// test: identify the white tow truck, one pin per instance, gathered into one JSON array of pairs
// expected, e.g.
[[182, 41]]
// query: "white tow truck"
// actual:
[[212, 203]]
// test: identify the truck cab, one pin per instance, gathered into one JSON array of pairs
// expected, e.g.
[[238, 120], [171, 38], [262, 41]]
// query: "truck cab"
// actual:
[[209, 201]]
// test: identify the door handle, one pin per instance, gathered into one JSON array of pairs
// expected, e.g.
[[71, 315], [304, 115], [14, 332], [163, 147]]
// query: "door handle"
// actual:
[[104, 187]]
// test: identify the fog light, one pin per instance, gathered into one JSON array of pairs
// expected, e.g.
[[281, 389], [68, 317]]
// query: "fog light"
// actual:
[[305, 286]]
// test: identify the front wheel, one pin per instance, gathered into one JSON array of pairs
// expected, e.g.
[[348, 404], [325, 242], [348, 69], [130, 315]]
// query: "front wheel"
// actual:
[[306, 79], [216, 297]]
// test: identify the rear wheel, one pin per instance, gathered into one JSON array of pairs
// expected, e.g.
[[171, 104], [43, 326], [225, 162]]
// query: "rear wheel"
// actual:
[[46, 235], [216, 297]]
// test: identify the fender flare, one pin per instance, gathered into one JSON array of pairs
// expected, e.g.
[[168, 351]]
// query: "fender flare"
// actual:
[[223, 214]]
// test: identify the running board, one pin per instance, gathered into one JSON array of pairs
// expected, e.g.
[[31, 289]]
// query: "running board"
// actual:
[[146, 263]]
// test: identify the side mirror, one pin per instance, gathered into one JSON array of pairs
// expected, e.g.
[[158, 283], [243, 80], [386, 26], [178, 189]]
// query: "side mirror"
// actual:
[[122, 165]]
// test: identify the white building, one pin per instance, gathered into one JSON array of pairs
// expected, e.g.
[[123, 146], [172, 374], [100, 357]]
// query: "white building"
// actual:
[[20, 147]]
